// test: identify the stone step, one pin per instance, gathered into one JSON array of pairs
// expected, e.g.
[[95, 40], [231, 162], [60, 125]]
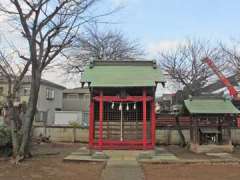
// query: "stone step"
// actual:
[[77, 158], [121, 163]]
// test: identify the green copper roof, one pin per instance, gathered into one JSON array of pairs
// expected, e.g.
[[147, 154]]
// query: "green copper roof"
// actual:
[[210, 106], [122, 74]]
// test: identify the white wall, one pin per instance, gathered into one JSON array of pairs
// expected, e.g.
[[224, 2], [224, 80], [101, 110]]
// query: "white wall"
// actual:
[[62, 134], [65, 117]]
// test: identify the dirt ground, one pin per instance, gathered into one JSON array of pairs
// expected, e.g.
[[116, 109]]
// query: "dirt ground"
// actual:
[[47, 163], [191, 172]]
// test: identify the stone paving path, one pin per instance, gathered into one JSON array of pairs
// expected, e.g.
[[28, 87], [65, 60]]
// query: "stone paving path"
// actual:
[[122, 165]]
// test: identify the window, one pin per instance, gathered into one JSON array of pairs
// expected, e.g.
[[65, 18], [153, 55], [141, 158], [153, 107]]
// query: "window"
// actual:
[[41, 116], [85, 117], [50, 94]]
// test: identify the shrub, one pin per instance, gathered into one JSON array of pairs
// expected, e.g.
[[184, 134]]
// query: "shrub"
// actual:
[[74, 124], [5, 141]]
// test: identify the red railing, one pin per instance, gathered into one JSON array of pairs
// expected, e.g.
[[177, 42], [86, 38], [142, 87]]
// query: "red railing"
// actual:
[[169, 121]]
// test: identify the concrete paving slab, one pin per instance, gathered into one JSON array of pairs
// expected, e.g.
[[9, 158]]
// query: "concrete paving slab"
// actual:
[[168, 158], [76, 158], [160, 154], [99, 155], [219, 154], [122, 165], [190, 161], [123, 173], [225, 156], [81, 153]]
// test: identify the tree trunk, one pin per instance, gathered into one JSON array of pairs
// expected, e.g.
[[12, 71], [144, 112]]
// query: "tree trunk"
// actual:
[[13, 123], [182, 138], [74, 134], [29, 116]]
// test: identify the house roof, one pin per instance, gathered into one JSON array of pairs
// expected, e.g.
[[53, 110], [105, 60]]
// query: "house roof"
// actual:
[[123, 74], [210, 106], [27, 79]]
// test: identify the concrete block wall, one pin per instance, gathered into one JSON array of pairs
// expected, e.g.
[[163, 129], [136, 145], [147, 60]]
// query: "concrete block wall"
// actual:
[[62, 134], [170, 136], [163, 136], [235, 136]]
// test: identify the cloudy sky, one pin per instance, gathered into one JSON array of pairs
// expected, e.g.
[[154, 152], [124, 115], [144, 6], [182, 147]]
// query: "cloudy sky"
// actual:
[[163, 24]]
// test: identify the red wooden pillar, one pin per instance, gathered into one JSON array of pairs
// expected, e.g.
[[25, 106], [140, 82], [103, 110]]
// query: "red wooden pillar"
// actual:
[[100, 138], [91, 123], [153, 122], [144, 118]]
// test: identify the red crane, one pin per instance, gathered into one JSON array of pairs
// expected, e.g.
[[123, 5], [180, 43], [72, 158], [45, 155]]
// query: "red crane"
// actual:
[[232, 91]]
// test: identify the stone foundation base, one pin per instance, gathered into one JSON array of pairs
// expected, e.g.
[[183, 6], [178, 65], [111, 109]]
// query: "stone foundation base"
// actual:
[[211, 148]]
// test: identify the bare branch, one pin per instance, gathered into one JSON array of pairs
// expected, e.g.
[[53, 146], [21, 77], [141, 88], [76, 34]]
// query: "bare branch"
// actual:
[[184, 64], [97, 45], [49, 28], [232, 55]]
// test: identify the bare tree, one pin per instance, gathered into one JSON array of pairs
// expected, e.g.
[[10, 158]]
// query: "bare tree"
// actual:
[[184, 64], [49, 27], [102, 45], [232, 58], [14, 75]]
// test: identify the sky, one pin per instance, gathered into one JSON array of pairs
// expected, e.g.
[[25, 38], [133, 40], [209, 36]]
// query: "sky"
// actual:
[[164, 24]]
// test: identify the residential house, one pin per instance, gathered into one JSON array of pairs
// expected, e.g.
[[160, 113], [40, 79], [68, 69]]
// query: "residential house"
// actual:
[[76, 99], [50, 98], [165, 103], [75, 107]]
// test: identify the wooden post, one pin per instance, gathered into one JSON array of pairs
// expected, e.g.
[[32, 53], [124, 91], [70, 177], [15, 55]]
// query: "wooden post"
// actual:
[[91, 123], [144, 118], [153, 123], [100, 138], [191, 129]]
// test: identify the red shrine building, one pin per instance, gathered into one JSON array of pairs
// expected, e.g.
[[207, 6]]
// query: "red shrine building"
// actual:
[[122, 107]]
